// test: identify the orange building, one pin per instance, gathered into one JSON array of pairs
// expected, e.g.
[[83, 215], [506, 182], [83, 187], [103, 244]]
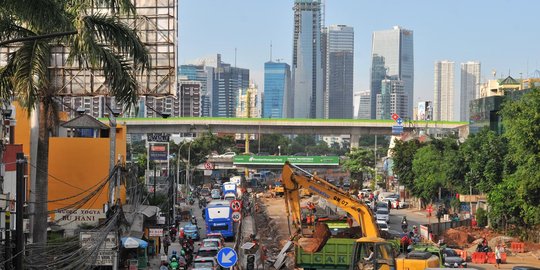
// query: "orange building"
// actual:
[[76, 166]]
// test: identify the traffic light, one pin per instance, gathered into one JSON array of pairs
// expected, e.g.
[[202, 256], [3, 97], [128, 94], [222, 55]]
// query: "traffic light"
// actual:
[[250, 262]]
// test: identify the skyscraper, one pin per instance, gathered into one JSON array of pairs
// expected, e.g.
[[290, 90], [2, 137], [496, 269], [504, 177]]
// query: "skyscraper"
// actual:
[[190, 98], [470, 87], [392, 55], [364, 105], [391, 99], [198, 73], [226, 81], [443, 103], [338, 67], [307, 77], [277, 84]]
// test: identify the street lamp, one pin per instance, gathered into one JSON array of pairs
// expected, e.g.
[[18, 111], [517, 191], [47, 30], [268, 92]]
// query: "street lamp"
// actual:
[[279, 150]]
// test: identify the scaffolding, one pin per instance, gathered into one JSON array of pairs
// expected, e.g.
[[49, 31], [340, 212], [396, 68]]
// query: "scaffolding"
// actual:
[[155, 23]]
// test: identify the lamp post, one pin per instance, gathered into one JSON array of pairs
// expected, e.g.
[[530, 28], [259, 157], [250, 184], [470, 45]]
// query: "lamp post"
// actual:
[[178, 164], [279, 150]]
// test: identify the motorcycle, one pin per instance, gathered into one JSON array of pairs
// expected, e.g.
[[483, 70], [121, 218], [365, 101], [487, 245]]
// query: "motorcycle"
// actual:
[[404, 226], [191, 201]]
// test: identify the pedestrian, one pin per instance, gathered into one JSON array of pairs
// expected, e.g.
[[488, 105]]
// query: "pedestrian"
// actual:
[[498, 255], [166, 243]]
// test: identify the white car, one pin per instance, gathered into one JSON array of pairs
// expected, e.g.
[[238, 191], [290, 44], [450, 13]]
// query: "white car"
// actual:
[[227, 155], [382, 215], [382, 225]]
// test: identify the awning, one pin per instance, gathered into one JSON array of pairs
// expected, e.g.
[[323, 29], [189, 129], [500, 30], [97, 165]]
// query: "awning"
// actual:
[[132, 242]]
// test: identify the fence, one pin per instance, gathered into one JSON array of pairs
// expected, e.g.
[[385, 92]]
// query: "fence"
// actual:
[[440, 228]]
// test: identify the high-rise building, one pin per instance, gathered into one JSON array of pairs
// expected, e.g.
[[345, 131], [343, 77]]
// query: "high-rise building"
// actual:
[[190, 98], [391, 99], [470, 87], [424, 111], [338, 68], [247, 105], [364, 105], [392, 55], [443, 103], [197, 73], [307, 74], [277, 85], [226, 82]]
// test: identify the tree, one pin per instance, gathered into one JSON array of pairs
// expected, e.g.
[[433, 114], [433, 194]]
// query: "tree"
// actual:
[[521, 122], [300, 143], [483, 156], [428, 173], [358, 162], [270, 142], [95, 41], [403, 155]]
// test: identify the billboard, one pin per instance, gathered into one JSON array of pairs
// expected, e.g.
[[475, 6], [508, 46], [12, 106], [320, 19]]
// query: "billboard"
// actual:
[[280, 160], [158, 152]]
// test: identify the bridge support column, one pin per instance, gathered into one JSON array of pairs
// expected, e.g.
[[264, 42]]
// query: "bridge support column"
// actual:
[[355, 141]]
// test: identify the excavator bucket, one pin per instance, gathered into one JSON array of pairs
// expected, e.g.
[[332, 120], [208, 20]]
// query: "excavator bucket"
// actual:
[[317, 241]]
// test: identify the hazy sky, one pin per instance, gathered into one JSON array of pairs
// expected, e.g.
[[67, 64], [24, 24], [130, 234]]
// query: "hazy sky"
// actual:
[[502, 34]]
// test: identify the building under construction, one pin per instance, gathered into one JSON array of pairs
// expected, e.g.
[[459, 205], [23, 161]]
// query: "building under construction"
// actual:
[[156, 24]]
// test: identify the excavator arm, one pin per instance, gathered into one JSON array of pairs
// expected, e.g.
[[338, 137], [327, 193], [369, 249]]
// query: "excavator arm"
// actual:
[[294, 178]]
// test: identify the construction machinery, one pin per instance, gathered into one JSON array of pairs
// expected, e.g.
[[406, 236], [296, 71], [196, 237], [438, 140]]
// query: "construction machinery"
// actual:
[[370, 251]]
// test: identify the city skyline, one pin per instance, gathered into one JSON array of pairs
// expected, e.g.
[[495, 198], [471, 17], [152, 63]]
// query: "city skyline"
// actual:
[[437, 35]]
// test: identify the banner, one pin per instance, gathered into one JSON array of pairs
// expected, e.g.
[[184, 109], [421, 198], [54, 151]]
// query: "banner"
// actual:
[[280, 160]]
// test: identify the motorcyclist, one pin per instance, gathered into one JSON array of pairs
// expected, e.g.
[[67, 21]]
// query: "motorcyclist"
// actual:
[[193, 220], [404, 223]]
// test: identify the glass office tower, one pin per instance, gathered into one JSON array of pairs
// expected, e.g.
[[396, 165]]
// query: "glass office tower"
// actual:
[[338, 67], [307, 74], [277, 81], [392, 55]]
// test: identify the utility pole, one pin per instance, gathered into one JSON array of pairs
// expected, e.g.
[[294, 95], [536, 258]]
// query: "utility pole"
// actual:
[[8, 263], [21, 192], [155, 181]]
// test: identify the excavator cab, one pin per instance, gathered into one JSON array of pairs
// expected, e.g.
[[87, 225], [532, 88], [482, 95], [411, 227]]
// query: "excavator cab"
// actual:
[[372, 253]]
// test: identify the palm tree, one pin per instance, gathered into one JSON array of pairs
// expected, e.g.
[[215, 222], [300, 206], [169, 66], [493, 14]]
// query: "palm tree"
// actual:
[[95, 41]]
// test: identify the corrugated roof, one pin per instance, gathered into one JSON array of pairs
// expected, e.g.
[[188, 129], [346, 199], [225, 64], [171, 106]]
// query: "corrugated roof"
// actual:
[[85, 121]]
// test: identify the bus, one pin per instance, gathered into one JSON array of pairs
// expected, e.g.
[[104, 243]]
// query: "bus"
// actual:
[[229, 188], [217, 216]]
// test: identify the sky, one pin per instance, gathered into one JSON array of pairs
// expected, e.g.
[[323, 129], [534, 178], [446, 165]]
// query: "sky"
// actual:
[[502, 34]]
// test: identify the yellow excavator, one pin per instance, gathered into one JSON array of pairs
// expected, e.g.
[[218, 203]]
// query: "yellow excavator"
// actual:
[[369, 252]]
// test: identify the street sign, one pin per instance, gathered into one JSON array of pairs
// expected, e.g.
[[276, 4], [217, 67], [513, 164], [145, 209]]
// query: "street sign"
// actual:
[[236, 216], [397, 129], [158, 137], [208, 166], [395, 116], [227, 257], [399, 121], [236, 205]]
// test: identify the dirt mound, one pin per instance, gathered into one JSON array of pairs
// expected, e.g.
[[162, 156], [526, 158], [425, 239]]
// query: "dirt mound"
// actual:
[[455, 237]]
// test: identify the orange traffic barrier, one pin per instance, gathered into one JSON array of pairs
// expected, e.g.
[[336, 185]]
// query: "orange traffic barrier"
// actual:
[[491, 258], [462, 254], [517, 247], [479, 257], [503, 257]]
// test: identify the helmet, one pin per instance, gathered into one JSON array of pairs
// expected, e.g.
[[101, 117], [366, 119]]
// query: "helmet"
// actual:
[[174, 252], [414, 226]]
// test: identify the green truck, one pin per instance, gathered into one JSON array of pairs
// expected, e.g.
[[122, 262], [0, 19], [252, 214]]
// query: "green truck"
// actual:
[[336, 254]]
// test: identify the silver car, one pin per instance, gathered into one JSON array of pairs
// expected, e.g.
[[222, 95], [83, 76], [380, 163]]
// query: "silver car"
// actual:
[[383, 214]]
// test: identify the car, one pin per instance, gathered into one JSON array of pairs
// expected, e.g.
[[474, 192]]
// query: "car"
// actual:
[[383, 214], [364, 193], [211, 242], [452, 260], [381, 205], [205, 192], [205, 263], [192, 231], [215, 194], [229, 196], [227, 155], [216, 236], [382, 225], [207, 252]]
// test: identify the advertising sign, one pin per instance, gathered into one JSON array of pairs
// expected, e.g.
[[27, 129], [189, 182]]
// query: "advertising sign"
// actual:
[[72, 218], [156, 232], [280, 160], [159, 151], [106, 254], [158, 137]]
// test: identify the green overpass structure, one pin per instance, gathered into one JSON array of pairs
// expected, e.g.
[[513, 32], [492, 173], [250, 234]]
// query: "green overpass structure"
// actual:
[[335, 127]]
